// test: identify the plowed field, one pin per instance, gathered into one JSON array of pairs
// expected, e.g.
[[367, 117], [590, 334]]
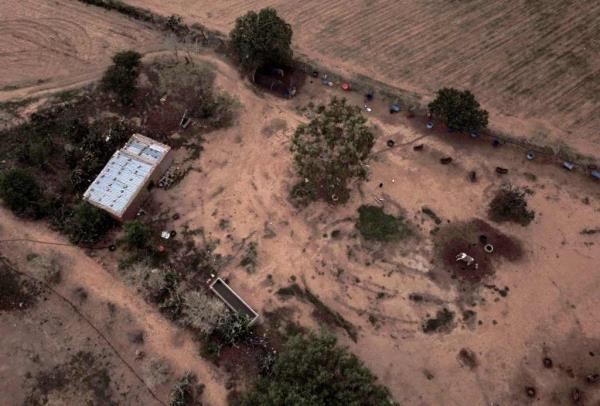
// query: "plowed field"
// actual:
[[535, 65]]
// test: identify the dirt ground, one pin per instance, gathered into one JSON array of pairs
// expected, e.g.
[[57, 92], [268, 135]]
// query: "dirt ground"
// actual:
[[493, 350], [244, 176], [110, 306], [534, 65], [48, 45]]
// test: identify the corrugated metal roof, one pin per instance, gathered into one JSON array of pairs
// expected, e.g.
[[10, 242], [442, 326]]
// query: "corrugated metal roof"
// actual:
[[146, 148], [125, 174]]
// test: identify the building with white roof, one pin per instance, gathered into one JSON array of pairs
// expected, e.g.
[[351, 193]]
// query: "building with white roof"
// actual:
[[122, 185]]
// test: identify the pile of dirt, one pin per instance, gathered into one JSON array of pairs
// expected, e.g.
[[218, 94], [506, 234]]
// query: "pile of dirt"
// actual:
[[473, 238], [16, 292]]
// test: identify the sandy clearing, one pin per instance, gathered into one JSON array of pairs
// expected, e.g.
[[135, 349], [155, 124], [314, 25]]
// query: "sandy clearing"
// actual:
[[162, 338], [245, 177]]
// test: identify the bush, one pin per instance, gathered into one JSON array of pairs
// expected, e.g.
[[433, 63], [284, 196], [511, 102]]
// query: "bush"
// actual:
[[509, 204], [374, 224], [313, 370], [329, 152], [259, 39], [234, 329], [21, 193], [202, 312], [442, 322], [137, 235], [121, 76], [249, 258], [87, 224], [459, 110], [183, 393]]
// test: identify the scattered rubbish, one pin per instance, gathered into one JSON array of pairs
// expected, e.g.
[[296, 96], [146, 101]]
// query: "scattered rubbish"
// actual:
[[165, 235], [429, 212], [346, 86], [161, 248], [185, 120], [430, 125], [489, 248], [390, 143], [473, 176], [369, 96], [592, 378], [501, 171], [530, 155], [548, 362], [590, 231], [173, 233], [530, 391], [446, 160], [568, 165], [418, 147], [576, 395], [315, 74], [394, 108], [325, 80], [495, 142], [334, 197], [596, 175], [112, 247], [463, 257], [368, 109], [163, 99], [474, 134], [483, 239]]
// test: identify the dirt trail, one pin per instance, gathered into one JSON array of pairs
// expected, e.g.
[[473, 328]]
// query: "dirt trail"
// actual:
[[162, 338]]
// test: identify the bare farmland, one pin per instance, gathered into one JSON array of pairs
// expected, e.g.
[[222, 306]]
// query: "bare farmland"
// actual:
[[535, 65], [50, 44]]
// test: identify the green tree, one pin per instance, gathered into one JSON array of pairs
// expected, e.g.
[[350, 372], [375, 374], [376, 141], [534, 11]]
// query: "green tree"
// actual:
[[21, 193], [87, 224], [459, 110], [259, 39], [313, 371], [122, 75], [137, 234], [329, 152]]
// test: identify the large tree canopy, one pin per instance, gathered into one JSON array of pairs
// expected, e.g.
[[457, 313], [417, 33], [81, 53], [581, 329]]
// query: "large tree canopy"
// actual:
[[21, 193], [122, 75], [313, 371], [329, 151], [259, 39], [459, 110]]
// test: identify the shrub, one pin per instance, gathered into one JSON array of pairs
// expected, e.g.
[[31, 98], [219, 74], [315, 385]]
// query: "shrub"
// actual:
[[329, 152], [183, 393], [509, 204], [249, 258], [374, 224], [313, 370], [88, 224], [137, 235], [234, 329], [259, 39], [202, 312], [441, 322], [459, 110], [121, 76], [21, 193]]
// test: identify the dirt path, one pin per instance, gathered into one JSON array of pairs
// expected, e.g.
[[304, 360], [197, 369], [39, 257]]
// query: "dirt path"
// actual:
[[162, 338]]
